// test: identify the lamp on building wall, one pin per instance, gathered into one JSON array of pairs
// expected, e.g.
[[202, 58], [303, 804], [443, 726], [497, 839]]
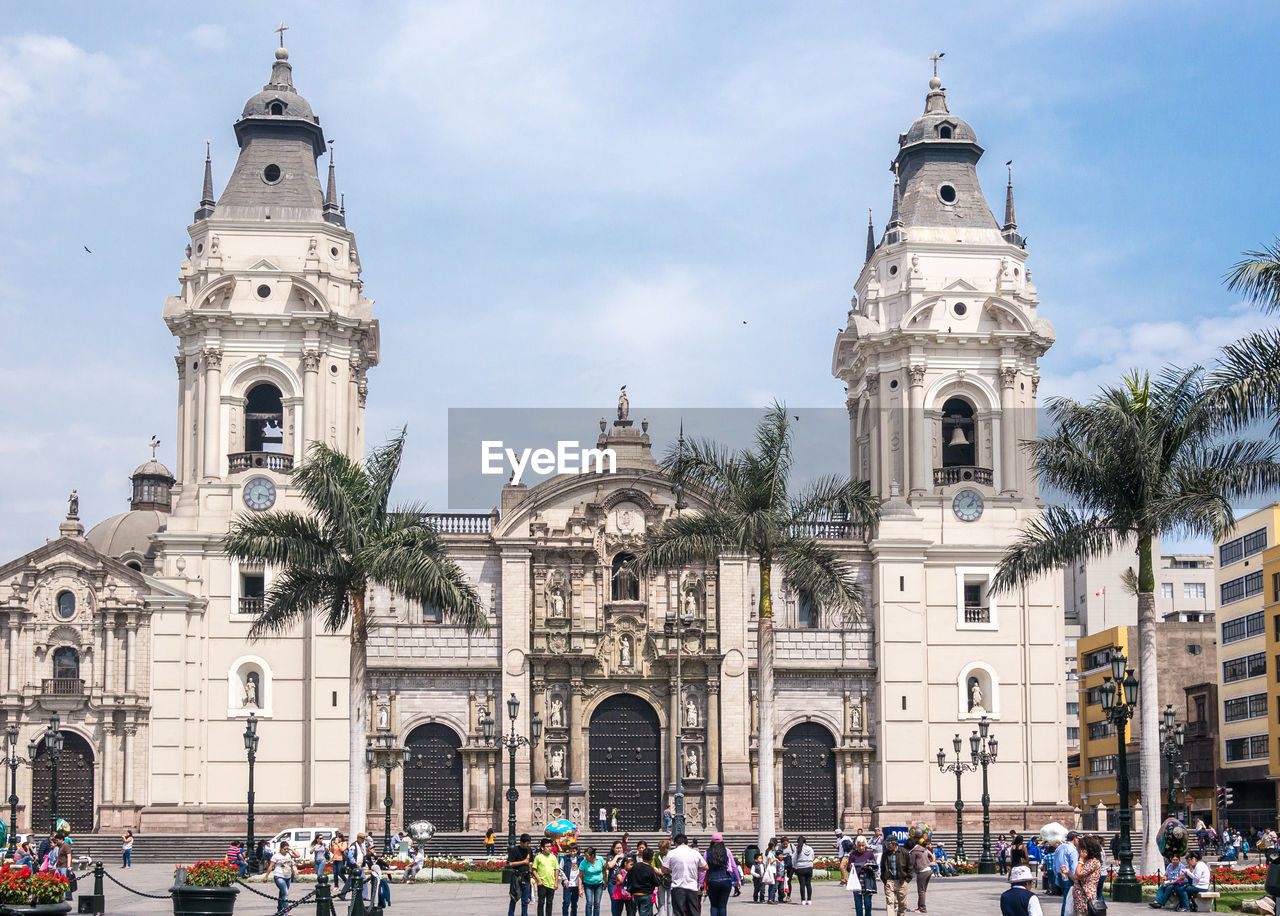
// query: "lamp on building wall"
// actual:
[[251, 748], [1119, 699], [959, 768]]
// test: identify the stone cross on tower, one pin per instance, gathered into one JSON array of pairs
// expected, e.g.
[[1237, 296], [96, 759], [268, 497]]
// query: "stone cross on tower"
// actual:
[[937, 56], [155, 444], [284, 28]]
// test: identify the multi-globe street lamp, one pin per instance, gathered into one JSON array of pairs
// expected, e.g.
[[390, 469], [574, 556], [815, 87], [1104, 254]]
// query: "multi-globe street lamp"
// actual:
[[382, 752], [251, 747], [959, 768], [14, 761], [983, 748], [1172, 736], [513, 743], [1119, 702]]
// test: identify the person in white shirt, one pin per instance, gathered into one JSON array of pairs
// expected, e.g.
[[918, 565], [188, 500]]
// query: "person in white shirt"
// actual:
[[1020, 898], [282, 872], [685, 865], [414, 866], [1197, 880]]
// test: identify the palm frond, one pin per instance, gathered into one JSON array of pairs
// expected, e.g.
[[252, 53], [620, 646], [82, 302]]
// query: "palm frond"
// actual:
[[412, 559], [1257, 277], [335, 487], [1245, 387], [296, 594], [833, 496], [381, 468], [1056, 539], [280, 538], [703, 464], [817, 571], [773, 455], [687, 539]]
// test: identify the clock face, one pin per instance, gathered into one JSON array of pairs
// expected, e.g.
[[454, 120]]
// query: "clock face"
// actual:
[[967, 505], [259, 494]]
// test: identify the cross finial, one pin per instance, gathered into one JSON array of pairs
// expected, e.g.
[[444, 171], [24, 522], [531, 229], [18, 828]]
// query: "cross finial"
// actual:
[[937, 56], [155, 444], [284, 28]]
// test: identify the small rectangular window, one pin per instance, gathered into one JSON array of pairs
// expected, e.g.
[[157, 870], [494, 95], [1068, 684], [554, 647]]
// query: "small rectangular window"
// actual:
[[335, 698], [904, 701], [431, 614], [1166, 590], [902, 583]]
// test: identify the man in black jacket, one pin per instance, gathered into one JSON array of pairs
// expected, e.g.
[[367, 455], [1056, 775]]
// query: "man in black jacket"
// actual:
[[643, 881], [896, 871]]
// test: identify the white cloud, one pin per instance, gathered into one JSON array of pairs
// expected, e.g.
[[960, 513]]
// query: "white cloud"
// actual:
[[209, 36], [1101, 354]]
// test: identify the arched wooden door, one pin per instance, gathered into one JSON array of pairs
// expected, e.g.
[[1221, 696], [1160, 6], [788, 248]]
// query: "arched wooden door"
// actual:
[[75, 786], [433, 778], [809, 778], [625, 754]]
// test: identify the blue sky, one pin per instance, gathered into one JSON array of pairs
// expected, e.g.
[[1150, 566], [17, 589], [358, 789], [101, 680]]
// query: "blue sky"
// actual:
[[554, 199]]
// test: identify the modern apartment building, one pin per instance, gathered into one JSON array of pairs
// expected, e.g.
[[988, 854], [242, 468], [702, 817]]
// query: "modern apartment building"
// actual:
[[1247, 662]]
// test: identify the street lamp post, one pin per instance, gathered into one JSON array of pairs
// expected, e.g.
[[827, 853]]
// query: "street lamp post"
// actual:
[[513, 743], [959, 768], [1119, 698], [251, 746], [681, 619], [1172, 736], [14, 761], [53, 742], [382, 752], [983, 749]]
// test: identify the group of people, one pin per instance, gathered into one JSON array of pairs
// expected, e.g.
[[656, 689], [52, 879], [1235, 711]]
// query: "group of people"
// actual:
[[1185, 877], [53, 854], [669, 880], [779, 868]]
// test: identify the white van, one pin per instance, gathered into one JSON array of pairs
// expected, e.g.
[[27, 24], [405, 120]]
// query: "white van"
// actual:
[[300, 838]]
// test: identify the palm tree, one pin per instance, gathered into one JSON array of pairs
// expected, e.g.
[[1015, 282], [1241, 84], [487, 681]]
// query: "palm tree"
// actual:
[[751, 510], [330, 556], [1143, 458], [1246, 384]]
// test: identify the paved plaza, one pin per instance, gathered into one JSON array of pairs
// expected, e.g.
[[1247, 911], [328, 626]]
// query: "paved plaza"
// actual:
[[971, 895]]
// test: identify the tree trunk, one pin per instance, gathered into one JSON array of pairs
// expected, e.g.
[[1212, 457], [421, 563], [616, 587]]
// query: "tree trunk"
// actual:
[[1148, 710], [764, 744], [358, 773]]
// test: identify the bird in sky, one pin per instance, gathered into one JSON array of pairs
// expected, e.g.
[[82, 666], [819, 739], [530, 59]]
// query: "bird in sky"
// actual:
[[744, 321], [86, 248]]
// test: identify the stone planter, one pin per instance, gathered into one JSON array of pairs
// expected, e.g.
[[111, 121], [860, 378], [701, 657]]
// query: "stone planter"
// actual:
[[203, 901], [43, 909]]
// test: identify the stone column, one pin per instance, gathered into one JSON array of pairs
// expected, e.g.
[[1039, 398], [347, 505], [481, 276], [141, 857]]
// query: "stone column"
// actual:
[[353, 396], [15, 633], [779, 809], [110, 787], [866, 782], [920, 448], [310, 398], [211, 421], [1008, 427], [130, 660], [673, 729], [713, 733], [755, 779], [127, 758], [181, 462], [539, 753], [848, 761], [876, 471], [577, 766]]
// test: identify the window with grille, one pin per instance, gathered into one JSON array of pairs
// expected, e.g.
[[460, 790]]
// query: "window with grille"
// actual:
[[1236, 709], [1237, 549], [1099, 659], [1166, 590], [1192, 589], [1245, 627], [1073, 733], [1102, 766], [1240, 588], [1101, 730], [1244, 667], [1073, 709]]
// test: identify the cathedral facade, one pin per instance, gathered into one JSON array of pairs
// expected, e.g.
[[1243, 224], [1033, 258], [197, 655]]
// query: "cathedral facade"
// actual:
[[638, 682]]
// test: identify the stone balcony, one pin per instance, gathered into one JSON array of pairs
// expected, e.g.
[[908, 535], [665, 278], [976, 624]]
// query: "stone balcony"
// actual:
[[265, 461], [945, 477]]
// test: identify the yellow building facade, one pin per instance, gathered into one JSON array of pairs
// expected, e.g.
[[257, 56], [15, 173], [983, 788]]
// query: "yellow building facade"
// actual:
[[1247, 665], [1095, 778]]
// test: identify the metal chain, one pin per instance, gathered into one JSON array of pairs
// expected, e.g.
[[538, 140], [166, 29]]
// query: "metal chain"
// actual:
[[288, 906], [296, 903], [139, 893]]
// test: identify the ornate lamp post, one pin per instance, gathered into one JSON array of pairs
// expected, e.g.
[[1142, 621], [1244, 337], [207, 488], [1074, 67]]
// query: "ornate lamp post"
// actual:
[[1119, 698], [677, 816], [1172, 736], [382, 752], [53, 743], [14, 761], [959, 768], [513, 743], [983, 748], [251, 746]]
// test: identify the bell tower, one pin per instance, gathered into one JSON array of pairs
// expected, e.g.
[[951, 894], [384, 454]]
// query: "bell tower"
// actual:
[[274, 333], [939, 356]]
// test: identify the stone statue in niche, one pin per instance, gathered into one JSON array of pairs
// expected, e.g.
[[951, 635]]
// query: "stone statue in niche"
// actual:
[[691, 602], [624, 406], [556, 600], [557, 763], [556, 719], [251, 690], [624, 652], [975, 696], [855, 717], [690, 712], [384, 717], [691, 764], [73, 505]]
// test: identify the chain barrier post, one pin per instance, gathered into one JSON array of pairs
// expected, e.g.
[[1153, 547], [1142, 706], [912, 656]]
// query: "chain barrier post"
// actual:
[[324, 903], [357, 901], [95, 902]]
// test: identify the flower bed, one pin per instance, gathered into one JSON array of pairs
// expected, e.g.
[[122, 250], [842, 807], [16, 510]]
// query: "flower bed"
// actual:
[[211, 873], [1232, 877], [18, 886]]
